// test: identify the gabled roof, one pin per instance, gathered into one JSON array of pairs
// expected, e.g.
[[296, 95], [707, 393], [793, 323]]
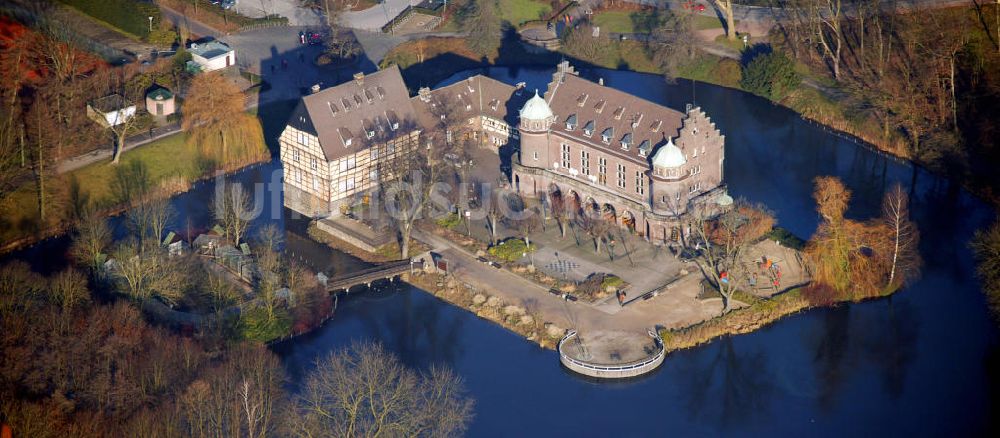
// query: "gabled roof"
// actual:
[[483, 95], [346, 111], [610, 110]]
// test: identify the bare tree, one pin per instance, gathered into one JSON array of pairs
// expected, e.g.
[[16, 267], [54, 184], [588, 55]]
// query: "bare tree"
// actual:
[[673, 43], [151, 218], [366, 391], [482, 22], [232, 209], [726, 238], [726, 7], [90, 240], [595, 226], [271, 269], [986, 248], [904, 235], [827, 21], [522, 218], [118, 85]]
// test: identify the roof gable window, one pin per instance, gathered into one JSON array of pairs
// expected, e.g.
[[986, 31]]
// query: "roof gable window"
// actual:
[[607, 134], [588, 129], [618, 113], [626, 141], [599, 106], [582, 100], [571, 122]]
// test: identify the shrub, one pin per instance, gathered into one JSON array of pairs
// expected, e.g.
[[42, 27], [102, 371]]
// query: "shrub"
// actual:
[[162, 37], [769, 74], [452, 220], [254, 325], [786, 238], [510, 250], [611, 281], [128, 15]]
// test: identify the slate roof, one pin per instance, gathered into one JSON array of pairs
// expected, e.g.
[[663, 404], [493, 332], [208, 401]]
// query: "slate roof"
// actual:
[[477, 95], [588, 105], [343, 116]]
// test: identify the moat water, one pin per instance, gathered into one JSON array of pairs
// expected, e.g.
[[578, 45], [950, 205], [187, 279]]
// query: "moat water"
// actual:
[[924, 361]]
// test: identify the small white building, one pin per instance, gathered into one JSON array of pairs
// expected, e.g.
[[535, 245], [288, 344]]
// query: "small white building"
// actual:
[[213, 55], [111, 110]]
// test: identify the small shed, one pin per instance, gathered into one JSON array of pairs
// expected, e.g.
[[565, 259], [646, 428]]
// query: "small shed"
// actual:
[[160, 102], [213, 55], [111, 110]]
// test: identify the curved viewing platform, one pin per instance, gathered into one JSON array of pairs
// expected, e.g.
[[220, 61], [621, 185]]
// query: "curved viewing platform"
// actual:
[[611, 354]]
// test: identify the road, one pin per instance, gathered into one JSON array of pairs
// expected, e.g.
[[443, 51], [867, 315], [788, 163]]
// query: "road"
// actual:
[[197, 28]]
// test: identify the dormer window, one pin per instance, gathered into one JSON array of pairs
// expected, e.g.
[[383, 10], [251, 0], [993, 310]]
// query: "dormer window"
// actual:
[[607, 134], [347, 104], [582, 100], [655, 126], [369, 97], [619, 112], [588, 129], [381, 92], [371, 135], [636, 119], [571, 122], [599, 107], [357, 99], [644, 148], [626, 141], [333, 108]]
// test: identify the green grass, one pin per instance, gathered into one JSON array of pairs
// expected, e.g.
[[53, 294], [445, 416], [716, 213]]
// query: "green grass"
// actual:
[[162, 159], [519, 11], [622, 21], [702, 22]]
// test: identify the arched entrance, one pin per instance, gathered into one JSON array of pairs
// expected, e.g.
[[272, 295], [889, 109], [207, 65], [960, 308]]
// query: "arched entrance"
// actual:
[[628, 221], [609, 213]]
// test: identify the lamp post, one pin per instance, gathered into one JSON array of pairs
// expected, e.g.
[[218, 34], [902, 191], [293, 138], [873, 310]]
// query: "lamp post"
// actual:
[[150, 23], [468, 227]]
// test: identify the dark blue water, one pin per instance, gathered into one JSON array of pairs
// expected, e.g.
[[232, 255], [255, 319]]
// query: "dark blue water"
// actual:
[[917, 363], [921, 362]]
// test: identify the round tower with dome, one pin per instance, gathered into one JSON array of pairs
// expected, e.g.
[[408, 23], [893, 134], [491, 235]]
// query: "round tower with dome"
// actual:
[[535, 119]]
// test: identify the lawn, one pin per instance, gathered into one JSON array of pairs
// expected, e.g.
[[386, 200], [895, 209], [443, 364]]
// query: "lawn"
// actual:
[[163, 159], [644, 22], [519, 11], [625, 21]]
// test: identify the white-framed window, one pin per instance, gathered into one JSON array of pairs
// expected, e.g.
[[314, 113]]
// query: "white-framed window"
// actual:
[[315, 183], [374, 153], [343, 165], [602, 170], [585, 162], [298, 175], [565, 156], [373, 175], [296, 154], [621, 176], [313, 164], [302, 138], [640, 183]]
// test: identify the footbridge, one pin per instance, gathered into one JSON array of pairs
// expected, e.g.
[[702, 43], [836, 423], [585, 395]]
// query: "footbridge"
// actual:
[[384, 271]]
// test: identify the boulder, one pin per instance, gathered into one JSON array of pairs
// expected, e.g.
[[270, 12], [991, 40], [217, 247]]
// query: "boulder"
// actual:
[[493, 302], [513, 310], [478, 299]]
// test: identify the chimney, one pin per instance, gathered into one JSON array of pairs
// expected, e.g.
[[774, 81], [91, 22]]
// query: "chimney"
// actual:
[[314, 88], [600, 81], [359, 77]]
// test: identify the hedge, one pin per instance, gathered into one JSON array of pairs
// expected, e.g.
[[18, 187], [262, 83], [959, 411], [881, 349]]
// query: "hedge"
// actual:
[[130, 16]]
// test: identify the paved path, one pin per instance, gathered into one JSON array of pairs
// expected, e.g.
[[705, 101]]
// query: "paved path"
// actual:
[[376, 16], [197, 28], [104, 154], [676, 306]]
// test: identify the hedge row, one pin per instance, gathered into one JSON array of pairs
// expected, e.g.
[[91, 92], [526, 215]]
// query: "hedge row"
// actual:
[[128, 15]]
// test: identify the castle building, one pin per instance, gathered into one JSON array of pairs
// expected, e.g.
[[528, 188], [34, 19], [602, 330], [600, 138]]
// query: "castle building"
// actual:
[[336, 138], [641, 164]]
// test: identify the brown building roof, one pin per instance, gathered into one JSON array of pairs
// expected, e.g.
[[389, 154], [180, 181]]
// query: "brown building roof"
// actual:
[[477, 95], [582, 106], [358, 113]]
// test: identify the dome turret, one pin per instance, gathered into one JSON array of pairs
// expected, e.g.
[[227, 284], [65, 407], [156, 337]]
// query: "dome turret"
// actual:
[[669, 156], [536, 108]]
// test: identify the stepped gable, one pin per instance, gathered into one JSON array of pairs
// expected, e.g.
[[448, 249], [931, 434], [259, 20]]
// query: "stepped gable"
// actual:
[[357, 114]]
